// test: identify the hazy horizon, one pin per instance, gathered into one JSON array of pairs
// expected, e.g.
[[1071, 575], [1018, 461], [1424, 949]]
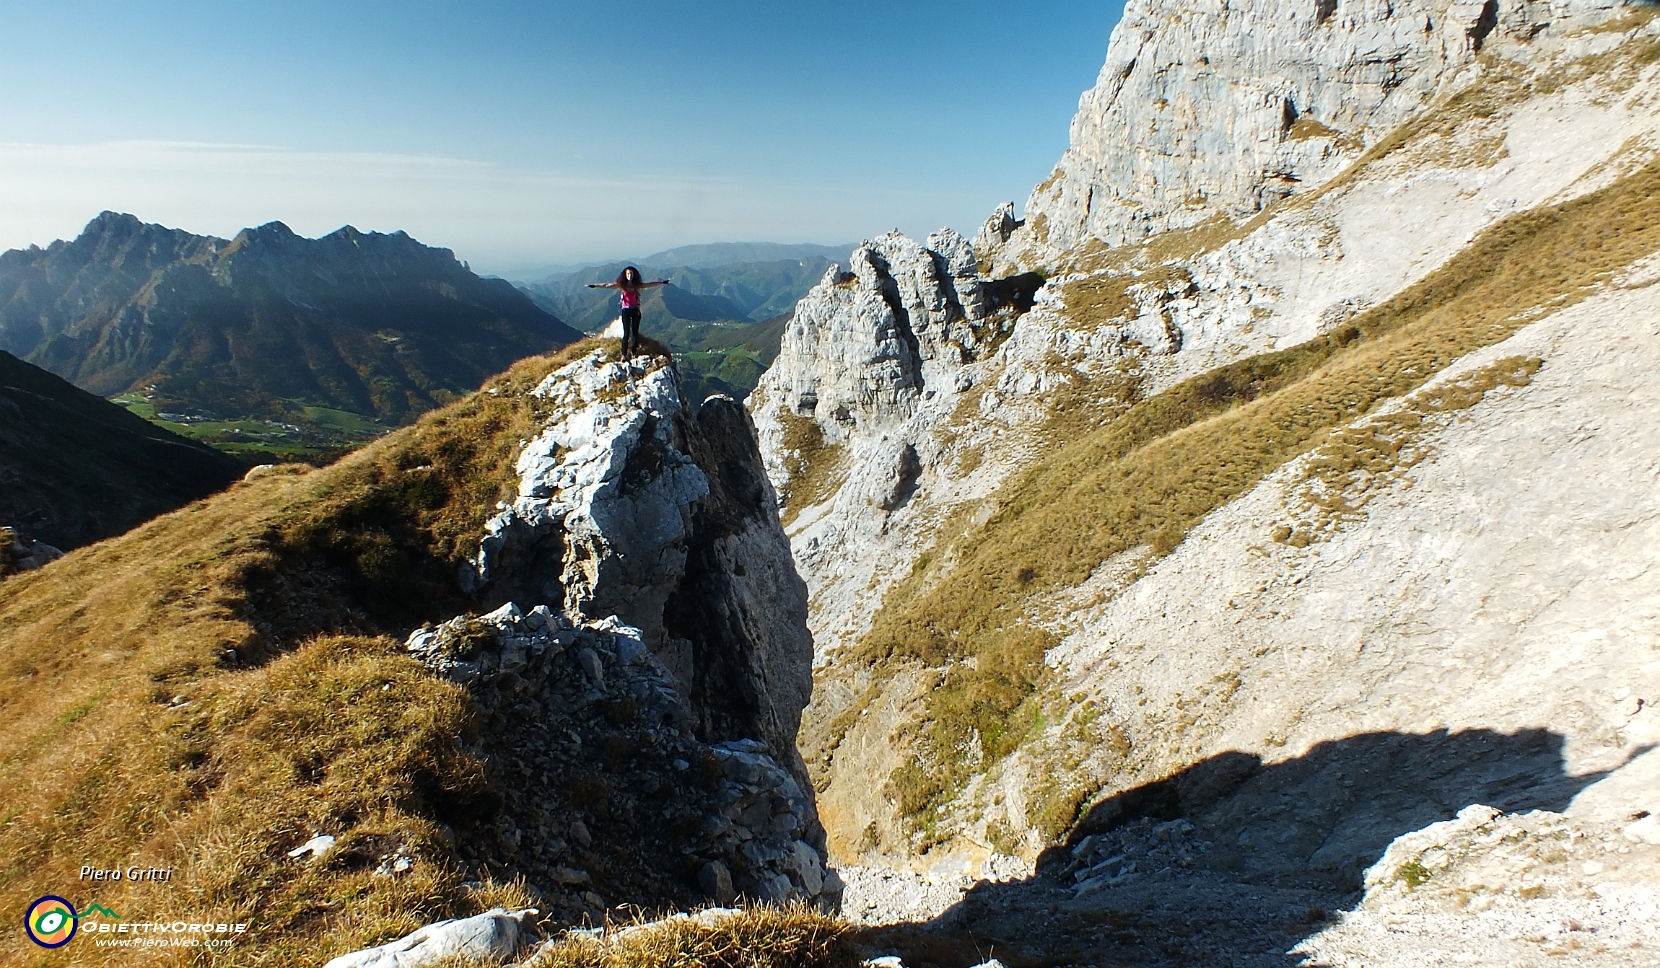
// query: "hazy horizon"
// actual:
[[522, 135]]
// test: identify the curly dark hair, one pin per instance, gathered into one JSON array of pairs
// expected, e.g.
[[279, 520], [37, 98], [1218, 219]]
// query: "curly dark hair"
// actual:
[[623, 280]]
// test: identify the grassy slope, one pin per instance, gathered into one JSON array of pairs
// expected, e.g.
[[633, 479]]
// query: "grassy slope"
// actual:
[[75, 468], [1146, 478], [133, 735]]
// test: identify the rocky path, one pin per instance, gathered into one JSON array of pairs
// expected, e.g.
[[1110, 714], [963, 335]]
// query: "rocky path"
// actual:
[[1483, 889]]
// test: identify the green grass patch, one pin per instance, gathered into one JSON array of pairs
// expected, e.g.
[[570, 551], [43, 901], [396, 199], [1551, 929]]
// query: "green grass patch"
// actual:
[[733, 371], [340, 420], [1414, 874], [313, 434]]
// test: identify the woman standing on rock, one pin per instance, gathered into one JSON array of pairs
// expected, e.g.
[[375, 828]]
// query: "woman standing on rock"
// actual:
[[629, 282]]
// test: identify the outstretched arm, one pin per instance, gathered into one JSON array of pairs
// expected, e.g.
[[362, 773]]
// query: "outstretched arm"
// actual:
[[603, 285], [660, 282]]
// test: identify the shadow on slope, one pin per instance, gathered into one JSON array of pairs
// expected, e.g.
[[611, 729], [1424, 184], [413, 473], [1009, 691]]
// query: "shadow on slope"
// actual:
[[75, 468], [1233, 862]]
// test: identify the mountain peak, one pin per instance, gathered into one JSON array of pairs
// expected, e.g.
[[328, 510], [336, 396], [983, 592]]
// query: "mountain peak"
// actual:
[[115, 226], [274, 231], [107, 220]]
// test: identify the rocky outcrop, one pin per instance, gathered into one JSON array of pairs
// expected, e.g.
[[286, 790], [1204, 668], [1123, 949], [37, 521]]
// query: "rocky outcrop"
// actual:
[[874, 362], [872, 340], [674, 815], [19, 552], [633, 504], [1219, 109], [484, 939], [643, 713]]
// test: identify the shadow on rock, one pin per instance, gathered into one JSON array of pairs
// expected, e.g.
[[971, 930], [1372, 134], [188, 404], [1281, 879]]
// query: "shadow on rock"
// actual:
[[1231, 861]]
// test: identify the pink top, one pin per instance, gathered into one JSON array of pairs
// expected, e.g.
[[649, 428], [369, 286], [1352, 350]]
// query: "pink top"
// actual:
[[630, 298]]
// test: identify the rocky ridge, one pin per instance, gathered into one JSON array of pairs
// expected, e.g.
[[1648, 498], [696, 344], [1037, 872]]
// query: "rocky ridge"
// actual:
[[875, 355], [1220, 110], [634, 504]]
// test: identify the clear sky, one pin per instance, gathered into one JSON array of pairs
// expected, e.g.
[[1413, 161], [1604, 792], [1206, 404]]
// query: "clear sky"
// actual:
[[523, 133]]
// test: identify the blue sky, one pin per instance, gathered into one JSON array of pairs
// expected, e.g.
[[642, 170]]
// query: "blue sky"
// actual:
[[525, 133]]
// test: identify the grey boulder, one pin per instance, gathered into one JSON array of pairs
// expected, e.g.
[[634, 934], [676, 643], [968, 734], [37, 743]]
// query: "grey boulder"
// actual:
[[491, 937]]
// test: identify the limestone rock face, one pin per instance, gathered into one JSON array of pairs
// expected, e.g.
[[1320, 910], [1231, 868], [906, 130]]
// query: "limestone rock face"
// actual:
[[874, 360], [996, 229], [1219, 109], [868, 343], [891, 489], [632, 504]]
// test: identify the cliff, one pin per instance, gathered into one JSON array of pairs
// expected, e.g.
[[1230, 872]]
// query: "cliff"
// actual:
[[1221, 110], [1333, 283]]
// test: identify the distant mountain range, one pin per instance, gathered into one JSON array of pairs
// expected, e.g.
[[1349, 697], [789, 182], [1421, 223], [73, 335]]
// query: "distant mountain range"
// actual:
[[741, 291], [693, 256], [75, 468], [268, 324], [717, 254], [723, 318]]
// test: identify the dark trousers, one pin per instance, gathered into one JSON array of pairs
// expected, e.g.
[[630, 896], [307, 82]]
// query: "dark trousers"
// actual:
[[631, 330]]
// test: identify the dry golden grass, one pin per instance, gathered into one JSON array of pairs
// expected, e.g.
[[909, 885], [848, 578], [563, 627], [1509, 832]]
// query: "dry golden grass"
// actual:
[[133, 734], [1632, 18], [816, 468], [1503, 83], [759, 937], [1357, 462], [1149, 476]]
